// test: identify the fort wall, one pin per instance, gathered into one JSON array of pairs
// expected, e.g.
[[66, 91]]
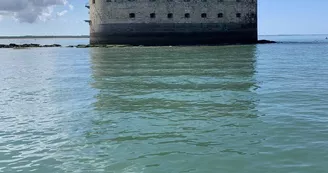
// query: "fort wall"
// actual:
[[173, 22]]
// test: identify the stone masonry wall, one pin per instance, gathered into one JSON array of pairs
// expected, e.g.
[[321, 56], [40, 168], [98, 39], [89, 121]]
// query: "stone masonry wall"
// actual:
[[117, 11], [112, 18]]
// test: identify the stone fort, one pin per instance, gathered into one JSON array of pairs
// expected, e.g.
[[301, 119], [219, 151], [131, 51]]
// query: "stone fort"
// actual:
[[172, 22]]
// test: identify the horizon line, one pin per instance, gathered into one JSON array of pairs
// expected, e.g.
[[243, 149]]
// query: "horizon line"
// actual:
[[87, 36], [45, 36]]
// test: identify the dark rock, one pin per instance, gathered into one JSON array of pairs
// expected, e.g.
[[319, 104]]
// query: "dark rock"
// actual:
[[34, 45], [51, 45], [28, 45], [4, 46], [82, 46], [265, 41], [12, 45]]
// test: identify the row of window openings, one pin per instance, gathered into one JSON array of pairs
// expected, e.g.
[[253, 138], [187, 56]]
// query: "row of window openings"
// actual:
[[93, 1], [187, 15]]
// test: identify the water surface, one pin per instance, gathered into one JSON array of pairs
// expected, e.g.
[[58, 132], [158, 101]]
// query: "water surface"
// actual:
[[253, 108]]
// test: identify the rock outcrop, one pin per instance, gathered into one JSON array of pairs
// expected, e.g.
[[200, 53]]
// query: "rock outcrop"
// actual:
[[265, 42], [12, 45], [22, 46]]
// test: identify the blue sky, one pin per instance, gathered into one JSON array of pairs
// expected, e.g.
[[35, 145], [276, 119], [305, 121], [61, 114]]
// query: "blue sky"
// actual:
[[275, 17]]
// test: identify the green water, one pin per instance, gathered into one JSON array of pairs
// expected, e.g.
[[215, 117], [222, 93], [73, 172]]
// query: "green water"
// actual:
[[226, 109]]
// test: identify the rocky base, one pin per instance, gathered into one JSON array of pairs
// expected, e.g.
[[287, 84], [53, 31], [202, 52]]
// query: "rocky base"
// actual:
[[17, 46], [265, 42], [22, 46]]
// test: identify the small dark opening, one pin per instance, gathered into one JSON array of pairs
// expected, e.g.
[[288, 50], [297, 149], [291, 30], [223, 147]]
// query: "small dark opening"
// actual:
[[93, 1], [152, 15], [220, 15], [238, 15], [187, 15], [132, 15], [170, 15], [204, 15]]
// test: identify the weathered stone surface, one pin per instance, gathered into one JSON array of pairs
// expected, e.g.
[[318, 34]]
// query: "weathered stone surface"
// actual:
[[175, 38], [209, 22]]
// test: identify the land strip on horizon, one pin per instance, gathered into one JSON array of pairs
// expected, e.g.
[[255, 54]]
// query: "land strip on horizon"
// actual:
[[44, 36]]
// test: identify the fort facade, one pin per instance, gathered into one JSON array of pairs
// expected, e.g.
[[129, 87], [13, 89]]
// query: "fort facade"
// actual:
[[173, 22]]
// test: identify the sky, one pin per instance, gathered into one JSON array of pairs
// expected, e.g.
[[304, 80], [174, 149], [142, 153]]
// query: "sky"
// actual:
[[66, 17]]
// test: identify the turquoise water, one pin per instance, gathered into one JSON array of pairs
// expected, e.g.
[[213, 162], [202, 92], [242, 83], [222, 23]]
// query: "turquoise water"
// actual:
[[253, 108]]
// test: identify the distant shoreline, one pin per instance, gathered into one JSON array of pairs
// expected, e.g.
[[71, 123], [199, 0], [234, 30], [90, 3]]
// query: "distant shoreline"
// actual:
[[38, 37], [295, 35], [87, 36]]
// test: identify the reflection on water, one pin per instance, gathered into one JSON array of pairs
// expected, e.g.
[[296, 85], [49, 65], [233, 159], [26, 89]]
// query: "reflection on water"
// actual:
[[152, 80], [165, 109], [174, 108]]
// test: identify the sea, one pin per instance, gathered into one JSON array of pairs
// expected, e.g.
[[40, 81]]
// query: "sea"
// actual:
[[183, 109]]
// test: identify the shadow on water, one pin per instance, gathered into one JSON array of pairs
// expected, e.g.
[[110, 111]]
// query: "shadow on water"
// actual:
[[199, 82], [171, 107]]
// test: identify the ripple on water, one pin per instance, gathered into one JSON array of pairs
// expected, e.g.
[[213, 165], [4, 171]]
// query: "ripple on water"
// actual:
[[168, 109]]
